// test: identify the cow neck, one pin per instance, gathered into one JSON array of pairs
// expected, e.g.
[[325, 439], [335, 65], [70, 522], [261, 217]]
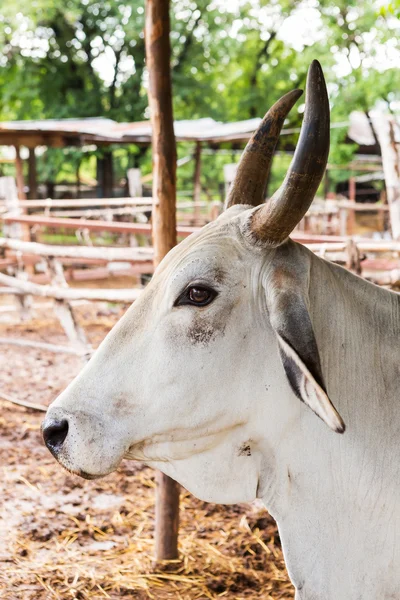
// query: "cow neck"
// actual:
[[336, 503]]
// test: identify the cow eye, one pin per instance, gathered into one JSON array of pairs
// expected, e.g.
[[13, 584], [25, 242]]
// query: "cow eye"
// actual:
[[196, 295]]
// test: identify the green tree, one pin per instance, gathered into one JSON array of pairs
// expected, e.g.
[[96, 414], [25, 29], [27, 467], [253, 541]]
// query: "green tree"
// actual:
[[231, 61]]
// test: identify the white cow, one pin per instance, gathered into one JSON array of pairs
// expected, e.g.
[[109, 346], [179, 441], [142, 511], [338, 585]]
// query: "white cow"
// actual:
[[202, 378]]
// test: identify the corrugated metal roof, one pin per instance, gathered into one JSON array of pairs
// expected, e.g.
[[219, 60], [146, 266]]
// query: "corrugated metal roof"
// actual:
[[102, 130], [99, 130]]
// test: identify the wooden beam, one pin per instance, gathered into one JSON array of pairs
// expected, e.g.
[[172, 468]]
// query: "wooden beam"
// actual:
[[85, 203], [47, 291], [97, 273], [142, 228], [101, 213], [143, 203], [362, 206], [32, 140], [133, 228], [79, 252], [39, 346], [158, 56]]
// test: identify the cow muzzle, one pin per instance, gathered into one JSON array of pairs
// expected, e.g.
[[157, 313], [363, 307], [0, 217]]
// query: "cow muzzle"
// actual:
[[84, 443], [54, 434]]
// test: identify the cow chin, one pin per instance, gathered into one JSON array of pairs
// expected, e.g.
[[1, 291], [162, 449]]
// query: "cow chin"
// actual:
[[87, 467], [88, 472]]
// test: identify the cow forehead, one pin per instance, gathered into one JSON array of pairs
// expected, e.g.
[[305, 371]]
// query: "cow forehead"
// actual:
[[208, 251]]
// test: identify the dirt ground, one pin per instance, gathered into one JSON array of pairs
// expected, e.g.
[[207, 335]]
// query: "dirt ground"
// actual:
[[63, 537]]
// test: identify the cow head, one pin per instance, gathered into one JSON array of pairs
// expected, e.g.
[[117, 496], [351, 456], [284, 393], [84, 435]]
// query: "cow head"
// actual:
[[201, 377]]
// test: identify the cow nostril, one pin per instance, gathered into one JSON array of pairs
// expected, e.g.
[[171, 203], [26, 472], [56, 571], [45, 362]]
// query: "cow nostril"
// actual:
[[54, 434]]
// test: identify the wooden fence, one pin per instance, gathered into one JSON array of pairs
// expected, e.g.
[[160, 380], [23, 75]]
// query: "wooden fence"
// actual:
[[377, 260]]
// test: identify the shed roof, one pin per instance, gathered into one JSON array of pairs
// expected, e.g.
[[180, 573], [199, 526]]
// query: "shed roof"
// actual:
[[103, 131], [64, 132]]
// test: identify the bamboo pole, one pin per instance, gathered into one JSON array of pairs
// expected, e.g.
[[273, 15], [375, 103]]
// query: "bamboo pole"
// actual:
[[158, 53]]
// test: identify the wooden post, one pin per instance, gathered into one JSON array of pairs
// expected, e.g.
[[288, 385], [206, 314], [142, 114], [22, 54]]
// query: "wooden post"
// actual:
[[99, 177], [78, 178], [108, 173], [15, 231], [351, 215], [9, 191], [342, 221], [19, 174], [32, 179], [229, 176], [65, 314], [353, 262], [197, 184], [158, 53], [135, 183], [19, 178]]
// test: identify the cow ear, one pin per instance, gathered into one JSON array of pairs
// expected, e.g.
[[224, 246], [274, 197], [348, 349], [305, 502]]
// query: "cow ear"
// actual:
[[298, 349]]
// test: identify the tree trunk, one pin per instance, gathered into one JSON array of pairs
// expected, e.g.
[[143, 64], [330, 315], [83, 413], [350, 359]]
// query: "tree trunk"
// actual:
[[158, 53]]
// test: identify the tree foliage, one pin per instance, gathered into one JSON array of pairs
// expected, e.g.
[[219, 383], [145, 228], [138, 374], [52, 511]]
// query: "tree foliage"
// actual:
[[231, 60]]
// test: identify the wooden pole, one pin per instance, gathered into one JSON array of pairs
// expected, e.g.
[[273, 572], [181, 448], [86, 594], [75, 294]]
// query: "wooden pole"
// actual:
[[163, 139], [158, 53], [32, 177]]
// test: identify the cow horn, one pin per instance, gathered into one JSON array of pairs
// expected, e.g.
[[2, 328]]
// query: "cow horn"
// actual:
[[253, 169], [274, 221]]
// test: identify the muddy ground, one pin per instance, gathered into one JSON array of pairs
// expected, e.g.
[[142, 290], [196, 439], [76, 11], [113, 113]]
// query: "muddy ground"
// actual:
[[63, 537]]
